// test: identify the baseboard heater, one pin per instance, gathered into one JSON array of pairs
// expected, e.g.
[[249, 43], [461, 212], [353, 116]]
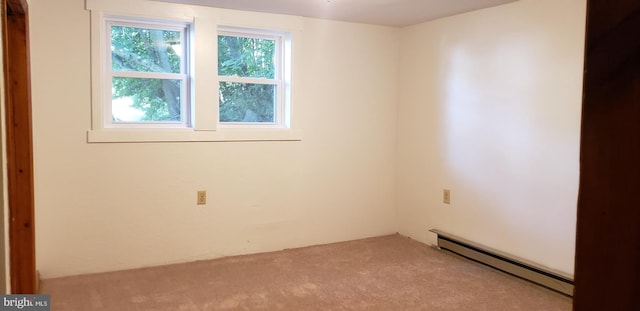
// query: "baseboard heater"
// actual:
[[505, 263]]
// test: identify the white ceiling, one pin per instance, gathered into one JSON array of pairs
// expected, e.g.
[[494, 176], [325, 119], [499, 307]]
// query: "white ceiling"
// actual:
[[396, 13]]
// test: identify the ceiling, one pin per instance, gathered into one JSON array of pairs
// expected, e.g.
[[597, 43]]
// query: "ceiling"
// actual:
[[396, 13]]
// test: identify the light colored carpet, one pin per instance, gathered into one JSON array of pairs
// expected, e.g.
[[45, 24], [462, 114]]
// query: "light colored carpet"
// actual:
[[383, 273]]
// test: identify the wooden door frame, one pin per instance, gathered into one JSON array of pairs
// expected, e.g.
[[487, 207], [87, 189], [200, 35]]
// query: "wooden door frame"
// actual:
[[19, 146], [607, 275]]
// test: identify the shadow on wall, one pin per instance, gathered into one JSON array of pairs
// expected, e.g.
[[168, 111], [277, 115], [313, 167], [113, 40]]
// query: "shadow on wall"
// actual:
[[509, 153]]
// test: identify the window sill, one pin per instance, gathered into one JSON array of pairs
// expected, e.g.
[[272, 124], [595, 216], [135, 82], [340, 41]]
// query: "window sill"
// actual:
[[190, 135]]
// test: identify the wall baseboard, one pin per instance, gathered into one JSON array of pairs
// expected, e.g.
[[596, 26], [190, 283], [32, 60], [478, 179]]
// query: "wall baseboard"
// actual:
[[504, 262]]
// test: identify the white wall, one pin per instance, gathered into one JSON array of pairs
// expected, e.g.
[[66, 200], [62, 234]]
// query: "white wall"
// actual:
[[490, 108], [102, 207]]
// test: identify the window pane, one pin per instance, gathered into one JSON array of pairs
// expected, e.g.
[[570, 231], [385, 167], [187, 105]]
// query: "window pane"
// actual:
[[247, 102], [146, 100], [146, 50], [246, 57]]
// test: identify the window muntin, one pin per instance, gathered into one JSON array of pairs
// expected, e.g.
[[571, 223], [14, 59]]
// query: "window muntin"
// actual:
[[201, 87], [250, 74], [148, 78]]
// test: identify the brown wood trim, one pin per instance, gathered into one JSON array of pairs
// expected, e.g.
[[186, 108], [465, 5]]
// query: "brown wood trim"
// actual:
[[18, 6], [607, 275], [19, 146]]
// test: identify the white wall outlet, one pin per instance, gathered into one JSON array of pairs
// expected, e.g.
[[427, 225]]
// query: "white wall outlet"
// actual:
[[202, 197], [446, 196]]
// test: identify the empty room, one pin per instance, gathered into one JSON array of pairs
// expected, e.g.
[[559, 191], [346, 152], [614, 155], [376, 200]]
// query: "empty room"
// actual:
[[306, 155]]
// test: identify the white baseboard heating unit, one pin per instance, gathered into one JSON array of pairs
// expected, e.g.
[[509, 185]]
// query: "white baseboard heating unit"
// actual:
[[505, 263]]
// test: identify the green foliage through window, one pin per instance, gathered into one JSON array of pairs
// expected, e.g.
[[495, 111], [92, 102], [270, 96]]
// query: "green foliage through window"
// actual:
[[249, 100], [147, 50], [159, 99]]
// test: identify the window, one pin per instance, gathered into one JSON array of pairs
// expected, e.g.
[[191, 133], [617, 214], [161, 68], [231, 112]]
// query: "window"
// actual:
[[169, 72], [250, 75], [148, 76]]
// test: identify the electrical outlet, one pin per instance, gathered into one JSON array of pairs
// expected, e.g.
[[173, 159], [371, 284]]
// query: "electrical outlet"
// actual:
[[446, 196], [202, 197]]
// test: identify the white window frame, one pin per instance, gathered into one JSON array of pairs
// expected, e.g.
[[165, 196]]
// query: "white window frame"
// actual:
[[185, 101], [204, 125], [280, 64]]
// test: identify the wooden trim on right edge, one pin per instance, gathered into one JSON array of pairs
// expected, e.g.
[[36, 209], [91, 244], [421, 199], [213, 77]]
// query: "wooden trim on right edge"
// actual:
[[607, 274], [19, 141]]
